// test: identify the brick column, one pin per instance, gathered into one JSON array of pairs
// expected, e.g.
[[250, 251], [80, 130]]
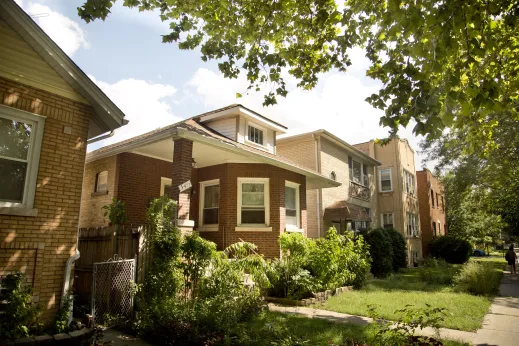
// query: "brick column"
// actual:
[[182, 169]]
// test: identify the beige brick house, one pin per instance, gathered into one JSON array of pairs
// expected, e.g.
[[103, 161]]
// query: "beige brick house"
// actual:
[[352, 205], [432, 208], [48, 110], [397, 200], [220, 166]]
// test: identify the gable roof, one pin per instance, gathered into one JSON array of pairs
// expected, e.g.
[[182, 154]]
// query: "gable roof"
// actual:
[[193, 130], [108, 116], [335, 139]]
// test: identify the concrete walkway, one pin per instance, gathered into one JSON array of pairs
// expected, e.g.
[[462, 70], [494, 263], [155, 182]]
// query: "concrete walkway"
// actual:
[[117, 338], [501, 324], [449, 334]]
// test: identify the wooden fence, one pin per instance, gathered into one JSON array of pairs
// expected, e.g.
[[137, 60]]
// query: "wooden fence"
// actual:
[[100, 245]]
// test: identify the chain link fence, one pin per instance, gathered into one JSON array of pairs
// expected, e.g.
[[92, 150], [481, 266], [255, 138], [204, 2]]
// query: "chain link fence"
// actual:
[[112, 291]]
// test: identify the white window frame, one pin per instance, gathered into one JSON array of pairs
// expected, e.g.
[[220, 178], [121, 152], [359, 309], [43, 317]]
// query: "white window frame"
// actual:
[[203, 185], [297, 227], [26, 207], [259, 127], [163, 182], [390, 179], [382, 219], [407, 175], [266, 191], [412, 219]]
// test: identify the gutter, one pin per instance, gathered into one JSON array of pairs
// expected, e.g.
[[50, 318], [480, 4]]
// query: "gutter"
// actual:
[[101, 137], [318, 191]]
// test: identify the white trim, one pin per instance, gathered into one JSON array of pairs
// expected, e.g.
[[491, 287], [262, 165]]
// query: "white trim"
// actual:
[[185, 223], [163, 182], [297, 226], [203, 184], [247, 114], [208, 228], [33, 155], [252, 229], [266, 192], [152, 156], [380, 179], [295, 230]]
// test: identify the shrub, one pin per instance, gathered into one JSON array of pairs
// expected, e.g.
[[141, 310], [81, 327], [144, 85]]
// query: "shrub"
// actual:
[[399, 248], [20, 316], [452, 250], [478, 278], [381, 252], [437, 271]]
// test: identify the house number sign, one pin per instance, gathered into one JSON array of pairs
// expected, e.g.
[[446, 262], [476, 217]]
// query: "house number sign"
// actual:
[[184, 186]]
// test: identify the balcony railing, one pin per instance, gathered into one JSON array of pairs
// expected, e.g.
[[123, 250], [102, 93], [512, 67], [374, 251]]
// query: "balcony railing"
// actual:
[[359, 191]]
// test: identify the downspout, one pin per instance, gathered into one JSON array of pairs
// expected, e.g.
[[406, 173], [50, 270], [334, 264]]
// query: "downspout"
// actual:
[[317, 191], [66, 282]]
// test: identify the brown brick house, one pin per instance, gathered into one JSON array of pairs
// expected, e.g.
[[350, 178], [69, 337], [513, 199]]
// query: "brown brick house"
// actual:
[[352, 205], [232, 183], [48, 110], [432, 207]]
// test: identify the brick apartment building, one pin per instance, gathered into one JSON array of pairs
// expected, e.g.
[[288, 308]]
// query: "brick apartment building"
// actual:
[[397, 200], [353, 205], [241, 189], [48, 110], [432, 208]]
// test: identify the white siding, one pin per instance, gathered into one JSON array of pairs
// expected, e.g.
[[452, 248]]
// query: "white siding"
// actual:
[[19, 62], [269, 136], [226, 127]]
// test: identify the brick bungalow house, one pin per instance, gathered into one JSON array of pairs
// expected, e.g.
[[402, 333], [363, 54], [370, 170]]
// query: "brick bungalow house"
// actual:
[[48, 110], [351, 206], [241, 188], [432, 208]]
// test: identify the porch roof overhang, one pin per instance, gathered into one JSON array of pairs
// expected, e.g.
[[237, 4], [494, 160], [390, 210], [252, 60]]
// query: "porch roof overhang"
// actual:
[[209, 149], [342, 210]]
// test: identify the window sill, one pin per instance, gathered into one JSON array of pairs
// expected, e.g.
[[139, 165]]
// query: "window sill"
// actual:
[[101, 193], [256, 145], [17, 211], [252, 229], [208, 229], [294, 230]]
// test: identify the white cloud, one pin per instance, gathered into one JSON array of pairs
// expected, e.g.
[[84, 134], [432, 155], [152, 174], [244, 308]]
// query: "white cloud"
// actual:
[[150, 19], [337, 104], [145, 105], [64, 31]]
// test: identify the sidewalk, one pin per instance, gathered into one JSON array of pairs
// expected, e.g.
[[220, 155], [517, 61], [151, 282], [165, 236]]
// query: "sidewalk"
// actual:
[[449, 334], [501, 324]]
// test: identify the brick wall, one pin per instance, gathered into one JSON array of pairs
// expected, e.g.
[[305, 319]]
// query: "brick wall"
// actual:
[[49, 237], [427, 182], [92, 202], [139, 182], [228, 174]]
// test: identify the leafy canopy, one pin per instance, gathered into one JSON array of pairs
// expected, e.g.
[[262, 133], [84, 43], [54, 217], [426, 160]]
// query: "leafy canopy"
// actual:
[[441, 63]]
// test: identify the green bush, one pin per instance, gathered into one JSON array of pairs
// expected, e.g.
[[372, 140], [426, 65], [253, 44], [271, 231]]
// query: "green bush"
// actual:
[[452, 250], [437, 271], [381, 252], [399, 249], [478, 278]]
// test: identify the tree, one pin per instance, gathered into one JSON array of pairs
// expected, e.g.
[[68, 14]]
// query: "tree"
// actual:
[[442, 63]]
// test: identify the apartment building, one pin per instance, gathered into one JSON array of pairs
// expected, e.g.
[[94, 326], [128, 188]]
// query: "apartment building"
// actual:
[[353, 204], [432, 208], [397, 198]]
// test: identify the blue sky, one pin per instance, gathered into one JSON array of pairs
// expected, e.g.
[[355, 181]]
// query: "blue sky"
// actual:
[[156, 84]]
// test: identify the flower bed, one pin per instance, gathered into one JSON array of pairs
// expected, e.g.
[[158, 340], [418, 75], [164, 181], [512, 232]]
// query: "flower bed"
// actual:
[[319, 297], [77, 337]]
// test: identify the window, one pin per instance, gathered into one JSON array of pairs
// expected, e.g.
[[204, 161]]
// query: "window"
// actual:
[[102, 182], [253, 201], [165, 186], [434, 227], [387, 220], [359, 225], [432, 198], [255, 135], [443, 203], [409, 183], [412, 224], [20, 145], [437, 204], [292, 206], [439, 228], [333, 176], [358, 172], [385, 180], [209, 202]]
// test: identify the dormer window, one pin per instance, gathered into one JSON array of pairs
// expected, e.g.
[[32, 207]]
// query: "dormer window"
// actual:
[[255, 135]]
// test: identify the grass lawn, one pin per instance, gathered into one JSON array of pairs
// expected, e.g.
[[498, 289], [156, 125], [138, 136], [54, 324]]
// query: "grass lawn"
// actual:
[[464, 311], [317, 331]]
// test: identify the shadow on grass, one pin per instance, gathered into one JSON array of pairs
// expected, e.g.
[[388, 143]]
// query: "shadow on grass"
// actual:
[[415, 279]]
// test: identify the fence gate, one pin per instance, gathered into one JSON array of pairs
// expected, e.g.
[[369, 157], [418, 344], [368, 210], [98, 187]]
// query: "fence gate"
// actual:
[[112, 288]]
